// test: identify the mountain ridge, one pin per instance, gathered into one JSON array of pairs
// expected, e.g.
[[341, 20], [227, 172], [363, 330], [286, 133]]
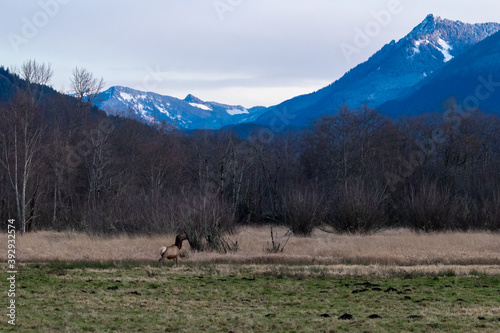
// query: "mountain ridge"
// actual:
[[393, 73], [189, 113], [397, 66], [471, 81]]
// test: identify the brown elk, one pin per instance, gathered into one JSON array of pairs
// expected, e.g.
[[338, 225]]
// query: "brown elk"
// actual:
[[172, 251]]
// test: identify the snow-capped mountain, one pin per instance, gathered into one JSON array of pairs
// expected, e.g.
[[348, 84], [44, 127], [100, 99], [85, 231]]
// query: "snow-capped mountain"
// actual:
[[468, 82], [390, 72], [190, 113], [391, 76]]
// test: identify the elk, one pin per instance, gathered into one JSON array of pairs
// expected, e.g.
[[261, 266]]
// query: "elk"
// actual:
[[172, 251]]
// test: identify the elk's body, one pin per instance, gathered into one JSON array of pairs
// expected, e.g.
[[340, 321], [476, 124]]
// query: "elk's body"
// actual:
[[172, 251]]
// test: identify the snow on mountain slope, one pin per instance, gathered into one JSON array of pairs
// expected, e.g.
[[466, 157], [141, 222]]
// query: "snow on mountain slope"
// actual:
[[190, 113], [233, 112], [201, 106], [393, 73], [472, 80], [389, 72]]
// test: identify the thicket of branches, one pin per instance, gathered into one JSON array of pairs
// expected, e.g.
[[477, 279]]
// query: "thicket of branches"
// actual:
[[68, 166]]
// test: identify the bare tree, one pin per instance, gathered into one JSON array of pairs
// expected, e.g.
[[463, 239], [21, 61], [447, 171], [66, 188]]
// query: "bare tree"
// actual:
[[20, 143], [86, 87], [35, 76]]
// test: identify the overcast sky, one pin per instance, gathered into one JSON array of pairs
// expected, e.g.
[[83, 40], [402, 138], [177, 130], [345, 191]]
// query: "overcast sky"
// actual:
[[248, 52]]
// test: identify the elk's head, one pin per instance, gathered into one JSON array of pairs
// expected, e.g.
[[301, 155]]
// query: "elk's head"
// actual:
[[179, 239]]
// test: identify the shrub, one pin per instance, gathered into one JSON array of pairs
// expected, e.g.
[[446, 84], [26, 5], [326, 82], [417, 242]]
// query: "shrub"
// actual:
[[205, 220], [467, 213], [429, 208], [491, 212], [303, 210], [358, 208]]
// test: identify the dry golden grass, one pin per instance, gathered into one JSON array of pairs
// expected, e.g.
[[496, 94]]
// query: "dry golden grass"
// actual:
[[398, 247]]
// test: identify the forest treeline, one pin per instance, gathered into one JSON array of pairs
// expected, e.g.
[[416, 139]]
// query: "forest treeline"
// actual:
[[68, 166]]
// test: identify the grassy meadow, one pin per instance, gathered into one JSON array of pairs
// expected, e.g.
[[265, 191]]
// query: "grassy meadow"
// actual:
[[388, 282], [390, 247]]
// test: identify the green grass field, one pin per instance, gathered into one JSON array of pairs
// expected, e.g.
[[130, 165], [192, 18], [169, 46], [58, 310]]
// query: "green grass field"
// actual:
[[135, 297]]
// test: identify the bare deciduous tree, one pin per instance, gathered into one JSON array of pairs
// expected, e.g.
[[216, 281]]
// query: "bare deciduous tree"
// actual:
[[21, 142], [86, 87]]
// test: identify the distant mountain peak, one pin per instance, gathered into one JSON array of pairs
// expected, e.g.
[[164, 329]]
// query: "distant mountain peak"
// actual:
[[190, 113], [431, 21], [458, 81], [193, 99], [428, 26], [450, 38], [393, 71], [436, 26]]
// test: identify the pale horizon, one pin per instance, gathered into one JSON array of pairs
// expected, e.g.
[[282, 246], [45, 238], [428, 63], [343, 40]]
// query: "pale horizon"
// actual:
[[246, 53]]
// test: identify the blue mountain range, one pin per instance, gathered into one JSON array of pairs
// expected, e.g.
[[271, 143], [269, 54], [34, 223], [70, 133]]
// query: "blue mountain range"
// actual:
[[438, 60], [393, 72], [471, 81], [189, 113]]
